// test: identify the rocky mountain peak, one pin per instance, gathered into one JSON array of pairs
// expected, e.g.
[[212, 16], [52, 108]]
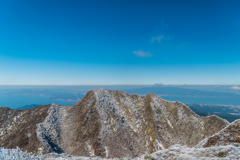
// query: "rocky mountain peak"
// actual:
[[114, 124]]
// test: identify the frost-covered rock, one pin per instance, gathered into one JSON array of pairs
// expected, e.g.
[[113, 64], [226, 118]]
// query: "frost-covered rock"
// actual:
[[175, 152], [48, 132], [17, 154], [178, 152]]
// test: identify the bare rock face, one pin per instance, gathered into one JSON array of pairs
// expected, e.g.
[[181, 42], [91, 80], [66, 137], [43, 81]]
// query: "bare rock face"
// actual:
[[112, 124]]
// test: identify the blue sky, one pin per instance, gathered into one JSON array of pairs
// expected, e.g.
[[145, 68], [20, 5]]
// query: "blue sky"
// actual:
[[47, 42]]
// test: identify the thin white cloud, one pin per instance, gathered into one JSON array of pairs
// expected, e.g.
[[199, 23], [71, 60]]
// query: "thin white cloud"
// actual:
[[158, 84], [158, 39], [141, 53], [235, 88]]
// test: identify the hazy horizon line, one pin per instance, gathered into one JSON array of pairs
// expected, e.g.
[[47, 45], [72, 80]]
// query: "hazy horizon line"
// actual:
[[117, 84]]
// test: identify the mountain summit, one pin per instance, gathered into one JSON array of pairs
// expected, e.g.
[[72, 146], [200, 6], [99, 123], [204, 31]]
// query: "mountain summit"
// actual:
[[106, 123]]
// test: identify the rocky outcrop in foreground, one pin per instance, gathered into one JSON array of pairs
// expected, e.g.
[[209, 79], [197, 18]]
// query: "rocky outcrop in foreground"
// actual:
[[229, 152], [106, 124]]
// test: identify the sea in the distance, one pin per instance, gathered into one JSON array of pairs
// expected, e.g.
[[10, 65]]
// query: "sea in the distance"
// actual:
[[204, 100], [16, 101]]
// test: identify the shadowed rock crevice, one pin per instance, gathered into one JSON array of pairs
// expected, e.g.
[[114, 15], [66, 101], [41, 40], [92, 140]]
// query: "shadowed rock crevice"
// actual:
[[51, 146]]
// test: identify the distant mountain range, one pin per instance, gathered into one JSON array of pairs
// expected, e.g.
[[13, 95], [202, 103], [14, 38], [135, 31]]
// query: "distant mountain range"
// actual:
[[228, 112], [176, 91], [72, 94]]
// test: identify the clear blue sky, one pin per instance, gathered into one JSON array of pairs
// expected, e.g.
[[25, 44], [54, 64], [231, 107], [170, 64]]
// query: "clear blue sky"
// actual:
[[119, 42]]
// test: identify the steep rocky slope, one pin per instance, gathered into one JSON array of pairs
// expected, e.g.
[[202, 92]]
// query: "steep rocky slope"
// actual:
[[109, 124], [228, 135], [222, 145], [18, 127]]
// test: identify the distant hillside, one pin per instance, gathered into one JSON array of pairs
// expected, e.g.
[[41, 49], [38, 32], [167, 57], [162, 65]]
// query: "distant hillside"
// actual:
[[28, 106], [228, 112]]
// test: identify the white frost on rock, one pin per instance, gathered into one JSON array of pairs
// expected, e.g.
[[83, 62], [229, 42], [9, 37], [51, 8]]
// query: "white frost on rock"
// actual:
[[105, 102], [160, 146], [48, 132], [17, 154], [176, 152], [185, 153]]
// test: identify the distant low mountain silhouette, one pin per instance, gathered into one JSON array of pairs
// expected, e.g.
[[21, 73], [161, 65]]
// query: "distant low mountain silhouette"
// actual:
[[164, 90], [228, 112], [28, 106]]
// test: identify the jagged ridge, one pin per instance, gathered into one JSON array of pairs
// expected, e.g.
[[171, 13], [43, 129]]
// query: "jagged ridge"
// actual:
[[114, 124]]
